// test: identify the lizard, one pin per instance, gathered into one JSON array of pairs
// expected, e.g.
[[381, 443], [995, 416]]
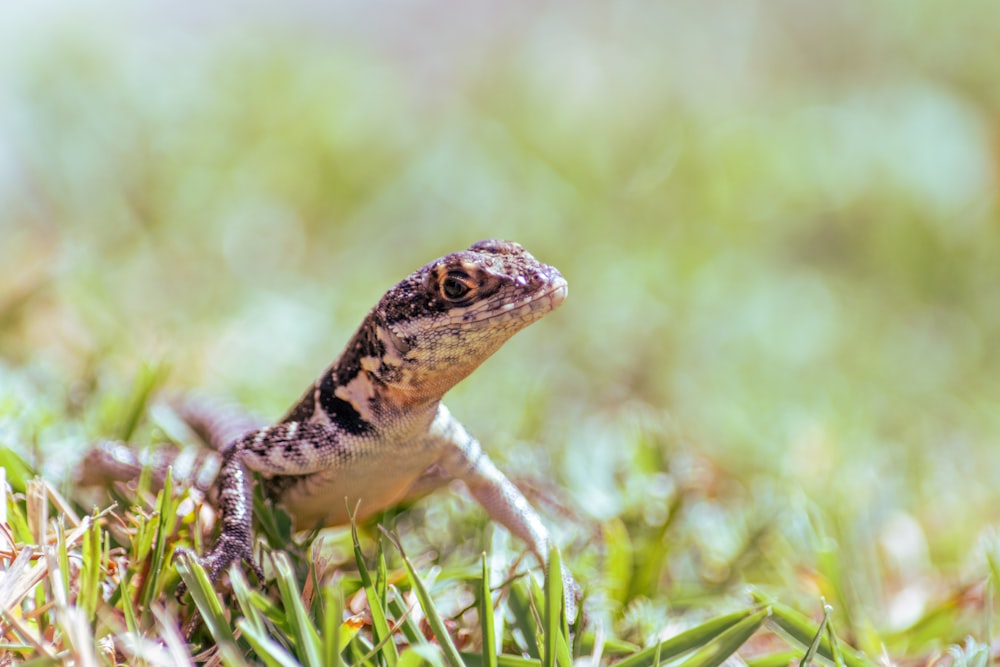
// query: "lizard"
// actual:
[[372, 430]]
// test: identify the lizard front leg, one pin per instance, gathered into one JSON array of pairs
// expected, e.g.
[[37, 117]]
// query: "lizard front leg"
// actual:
[[235, 543], [466, 460], [290, 448]]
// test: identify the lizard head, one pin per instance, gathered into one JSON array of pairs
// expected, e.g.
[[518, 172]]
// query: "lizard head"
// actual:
[[441, 322]]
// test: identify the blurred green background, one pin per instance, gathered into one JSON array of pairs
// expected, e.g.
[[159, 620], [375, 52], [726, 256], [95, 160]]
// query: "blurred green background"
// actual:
[[778, 220]]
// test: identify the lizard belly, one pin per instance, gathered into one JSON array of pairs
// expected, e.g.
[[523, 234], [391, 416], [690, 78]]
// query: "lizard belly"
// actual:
[[323, 499]]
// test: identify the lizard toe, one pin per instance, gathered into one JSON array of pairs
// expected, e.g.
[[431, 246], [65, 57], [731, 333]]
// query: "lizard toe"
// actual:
[[229, 550], [225, 553]]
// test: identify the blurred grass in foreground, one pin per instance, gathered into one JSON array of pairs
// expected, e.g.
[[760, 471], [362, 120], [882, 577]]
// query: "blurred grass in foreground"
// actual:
[[778, 364]]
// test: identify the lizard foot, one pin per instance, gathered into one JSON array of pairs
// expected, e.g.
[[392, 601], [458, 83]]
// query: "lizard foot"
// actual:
[[227, 551]]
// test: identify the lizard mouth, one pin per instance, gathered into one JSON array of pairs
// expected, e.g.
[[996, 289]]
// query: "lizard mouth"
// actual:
[[536, 304], [559, 293]]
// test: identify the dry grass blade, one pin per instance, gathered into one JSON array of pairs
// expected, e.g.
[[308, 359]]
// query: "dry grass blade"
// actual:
[[172, 640], [62, 506], [79, 635], [19, 578]]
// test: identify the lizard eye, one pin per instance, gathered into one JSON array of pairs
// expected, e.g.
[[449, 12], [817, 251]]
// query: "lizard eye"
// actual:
[[455, 286]]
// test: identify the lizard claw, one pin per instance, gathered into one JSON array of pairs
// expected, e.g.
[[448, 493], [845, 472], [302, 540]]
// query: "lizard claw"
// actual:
[[227, 551]]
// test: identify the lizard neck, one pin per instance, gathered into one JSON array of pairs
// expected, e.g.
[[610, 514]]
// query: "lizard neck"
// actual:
[[369, 389]]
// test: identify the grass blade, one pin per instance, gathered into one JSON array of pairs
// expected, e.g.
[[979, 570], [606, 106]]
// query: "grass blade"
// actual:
[[551, 598], [420, 655], [814, 645], [520, 603], [16, 469], [333, 612], [244, 598], [486, 620], [126, 604], [838, 658], [685, 641], [380, 625], [775, 659], [62, 554], [205, 598], [556, 640], [148, 378], [166, 508], [434, 618], [503, 660], [268, 650], [304, 633], [90, 571], [230, 656], [802, 630], [405, 621], [381, 575], [727, 643]]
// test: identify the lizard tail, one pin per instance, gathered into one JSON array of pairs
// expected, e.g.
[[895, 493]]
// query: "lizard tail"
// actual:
[[218, 422]]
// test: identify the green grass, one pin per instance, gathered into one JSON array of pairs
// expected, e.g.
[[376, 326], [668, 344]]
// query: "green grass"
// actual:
[[114, 606], [98, 589], [772, 390]]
